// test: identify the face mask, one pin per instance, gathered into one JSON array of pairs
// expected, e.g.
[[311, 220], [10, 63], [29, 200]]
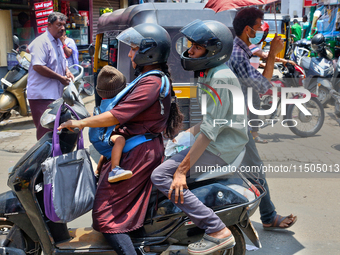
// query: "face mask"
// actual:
[[257, 38]]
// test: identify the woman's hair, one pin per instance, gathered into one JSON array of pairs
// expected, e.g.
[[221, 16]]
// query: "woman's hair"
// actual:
[[175, 119]]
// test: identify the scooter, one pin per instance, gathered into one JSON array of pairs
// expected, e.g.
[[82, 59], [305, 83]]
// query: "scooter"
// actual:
[[319, 72], [24, 228], [336, 97], [14, 85]]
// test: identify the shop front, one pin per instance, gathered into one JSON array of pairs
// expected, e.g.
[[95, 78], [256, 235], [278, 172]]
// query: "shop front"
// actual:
[[27, 19]]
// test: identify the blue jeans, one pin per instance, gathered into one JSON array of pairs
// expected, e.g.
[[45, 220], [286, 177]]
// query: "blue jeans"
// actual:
[[252, 158]]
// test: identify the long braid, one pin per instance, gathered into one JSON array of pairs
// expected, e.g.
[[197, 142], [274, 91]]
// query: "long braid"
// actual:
[[175, 119]]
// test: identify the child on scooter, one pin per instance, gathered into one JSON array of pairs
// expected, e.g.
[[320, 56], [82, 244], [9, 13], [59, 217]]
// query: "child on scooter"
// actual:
[[109, 83]]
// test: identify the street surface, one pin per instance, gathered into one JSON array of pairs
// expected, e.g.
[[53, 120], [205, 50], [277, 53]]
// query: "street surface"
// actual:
[[313, 197]]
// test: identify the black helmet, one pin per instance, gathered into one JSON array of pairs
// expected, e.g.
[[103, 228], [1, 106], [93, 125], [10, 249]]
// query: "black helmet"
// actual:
[[318, 43], [153, 41], [212, 35]]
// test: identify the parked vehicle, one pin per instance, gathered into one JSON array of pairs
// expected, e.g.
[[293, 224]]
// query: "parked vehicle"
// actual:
[[299, 49], [336, 97], [336, 76], [14, 85], [319, 70], [282, 29], [299, 123], [25, 229]]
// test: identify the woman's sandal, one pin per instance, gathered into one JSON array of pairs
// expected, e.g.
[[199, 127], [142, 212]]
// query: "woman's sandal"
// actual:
[[277, 221], [258, 139]]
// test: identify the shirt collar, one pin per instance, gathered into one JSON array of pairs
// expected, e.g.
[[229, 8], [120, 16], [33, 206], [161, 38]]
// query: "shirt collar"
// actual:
[[52, 38], [243, 45]]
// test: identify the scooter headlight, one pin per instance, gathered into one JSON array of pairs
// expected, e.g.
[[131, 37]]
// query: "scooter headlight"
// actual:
[[47, 119]]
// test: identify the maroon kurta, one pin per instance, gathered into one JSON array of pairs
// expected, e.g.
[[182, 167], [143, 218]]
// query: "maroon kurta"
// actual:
[[121, 207]]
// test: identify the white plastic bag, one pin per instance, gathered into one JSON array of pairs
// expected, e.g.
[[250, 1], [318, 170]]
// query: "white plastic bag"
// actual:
[[182, 141]]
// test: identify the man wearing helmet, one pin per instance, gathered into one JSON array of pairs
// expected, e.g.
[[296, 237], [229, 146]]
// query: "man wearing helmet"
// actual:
[[214, 144], [247, 24]]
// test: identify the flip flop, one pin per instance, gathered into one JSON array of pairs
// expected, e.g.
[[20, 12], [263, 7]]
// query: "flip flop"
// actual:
[[277, 221], [258, 139], [210, 244]]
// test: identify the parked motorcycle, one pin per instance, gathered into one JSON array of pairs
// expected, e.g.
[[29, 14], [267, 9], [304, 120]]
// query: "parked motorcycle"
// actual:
[[336, 97], [299, 123], [25, 229], [319, 70], [14, 85]]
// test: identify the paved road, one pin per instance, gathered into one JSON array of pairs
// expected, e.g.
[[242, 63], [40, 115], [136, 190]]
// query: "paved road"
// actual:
[[313, 197]]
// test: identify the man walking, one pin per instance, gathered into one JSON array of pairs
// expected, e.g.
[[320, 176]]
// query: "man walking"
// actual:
[[48, 72], [247, 24]]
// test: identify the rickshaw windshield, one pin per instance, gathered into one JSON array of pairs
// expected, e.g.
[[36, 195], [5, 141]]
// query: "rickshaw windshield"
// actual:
[[130, 37], [198, 32], [272, 29]]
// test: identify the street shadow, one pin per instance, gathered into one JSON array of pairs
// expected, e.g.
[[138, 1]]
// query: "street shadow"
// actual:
[[336, 147], [277, 138], [278, 242], [22, 125], [333, 117]]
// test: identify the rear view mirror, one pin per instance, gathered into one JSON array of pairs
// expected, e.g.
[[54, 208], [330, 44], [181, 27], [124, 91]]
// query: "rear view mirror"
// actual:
[[15, 41], [91, 50]]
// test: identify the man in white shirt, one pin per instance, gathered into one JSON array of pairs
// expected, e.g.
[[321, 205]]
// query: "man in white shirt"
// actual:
[[48, 72]]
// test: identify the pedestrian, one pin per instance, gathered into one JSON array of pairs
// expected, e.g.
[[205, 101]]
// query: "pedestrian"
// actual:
[[296, 30], [48, 72], [246, 24], [214, 145], [306, 26], [70, 50], [120, 208]]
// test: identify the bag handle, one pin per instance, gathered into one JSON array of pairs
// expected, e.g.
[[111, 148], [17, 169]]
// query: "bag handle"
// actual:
[[55, 140]]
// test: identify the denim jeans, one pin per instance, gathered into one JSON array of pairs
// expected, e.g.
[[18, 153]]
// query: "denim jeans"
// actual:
[[121, 243], [252, 158]]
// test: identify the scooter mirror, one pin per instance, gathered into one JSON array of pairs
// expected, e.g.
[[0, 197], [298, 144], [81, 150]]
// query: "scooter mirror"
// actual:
[[15, 41]]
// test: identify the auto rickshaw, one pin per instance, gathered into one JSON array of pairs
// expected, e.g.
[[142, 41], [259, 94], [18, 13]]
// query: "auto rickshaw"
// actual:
[[283, 30], [171, 16]]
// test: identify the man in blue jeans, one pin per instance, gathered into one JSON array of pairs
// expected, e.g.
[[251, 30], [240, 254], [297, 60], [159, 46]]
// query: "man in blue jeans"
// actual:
[[247, 26]]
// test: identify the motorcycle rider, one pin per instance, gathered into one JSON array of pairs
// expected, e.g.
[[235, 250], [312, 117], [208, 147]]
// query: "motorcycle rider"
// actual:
[[215, 145], [120, 208]]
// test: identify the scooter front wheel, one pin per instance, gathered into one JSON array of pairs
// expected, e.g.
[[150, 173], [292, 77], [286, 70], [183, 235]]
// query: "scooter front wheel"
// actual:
[[323, 95], [25, 243], [239, 248], [306, 125]]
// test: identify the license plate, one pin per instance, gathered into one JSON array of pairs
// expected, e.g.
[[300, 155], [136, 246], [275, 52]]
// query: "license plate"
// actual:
[[6, 82]]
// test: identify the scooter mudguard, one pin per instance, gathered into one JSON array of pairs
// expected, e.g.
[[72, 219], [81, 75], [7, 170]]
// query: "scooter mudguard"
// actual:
[[10, 204], [249, 230], [7, 102], [11, 251], [324, 82]]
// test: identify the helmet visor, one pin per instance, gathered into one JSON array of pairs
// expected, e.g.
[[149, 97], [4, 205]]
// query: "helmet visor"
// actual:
[[199, 33], [130, 37]]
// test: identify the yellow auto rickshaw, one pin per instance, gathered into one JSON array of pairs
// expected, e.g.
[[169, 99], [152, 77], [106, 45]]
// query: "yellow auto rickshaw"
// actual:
[[171, 16], [283, 30]]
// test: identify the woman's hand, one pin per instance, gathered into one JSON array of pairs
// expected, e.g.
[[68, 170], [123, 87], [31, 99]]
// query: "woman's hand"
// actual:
[[178, 184], [71, 124]]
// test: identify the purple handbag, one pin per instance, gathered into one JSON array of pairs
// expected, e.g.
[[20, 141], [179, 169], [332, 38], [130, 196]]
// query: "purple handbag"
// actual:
[[69, 181]]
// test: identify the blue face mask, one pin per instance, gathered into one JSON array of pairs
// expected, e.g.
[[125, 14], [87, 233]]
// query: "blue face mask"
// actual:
[[257, 38]]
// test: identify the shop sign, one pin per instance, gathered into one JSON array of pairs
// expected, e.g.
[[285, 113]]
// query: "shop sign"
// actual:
[[41, 22], [43, 5], [42, 29], [309, 3], [43, 13]]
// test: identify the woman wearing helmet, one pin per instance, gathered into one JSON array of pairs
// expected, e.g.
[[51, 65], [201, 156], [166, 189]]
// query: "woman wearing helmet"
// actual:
[[121, 207], [215, 144]]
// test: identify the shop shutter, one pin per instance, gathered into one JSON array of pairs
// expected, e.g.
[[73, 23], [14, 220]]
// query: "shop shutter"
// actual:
[[97, 4]]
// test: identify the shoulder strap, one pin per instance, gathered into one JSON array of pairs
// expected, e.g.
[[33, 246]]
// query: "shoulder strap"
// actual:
[[108, 104]]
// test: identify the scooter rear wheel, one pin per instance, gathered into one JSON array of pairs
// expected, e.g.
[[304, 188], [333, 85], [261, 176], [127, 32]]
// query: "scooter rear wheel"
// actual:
[[26, 244], [239, 248]]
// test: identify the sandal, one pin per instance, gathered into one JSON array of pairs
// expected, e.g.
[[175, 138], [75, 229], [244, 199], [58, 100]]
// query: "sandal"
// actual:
[[258, 139], [277, 221], [210, 244]]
